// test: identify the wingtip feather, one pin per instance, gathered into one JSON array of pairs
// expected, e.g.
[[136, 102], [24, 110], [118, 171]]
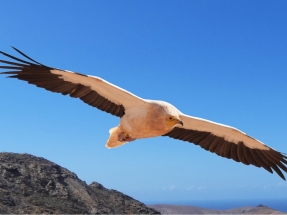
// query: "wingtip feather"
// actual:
[[17, 50]]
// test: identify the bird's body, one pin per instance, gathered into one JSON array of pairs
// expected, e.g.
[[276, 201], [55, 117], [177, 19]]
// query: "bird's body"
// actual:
[[145, 120], [141, 118]]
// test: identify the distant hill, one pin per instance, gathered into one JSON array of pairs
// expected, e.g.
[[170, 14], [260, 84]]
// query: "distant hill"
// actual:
[[30, 184], [261, 209], [185, 209]]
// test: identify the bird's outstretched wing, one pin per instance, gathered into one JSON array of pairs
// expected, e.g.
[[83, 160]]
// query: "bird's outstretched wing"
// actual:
[[230, 143], [90, 89]]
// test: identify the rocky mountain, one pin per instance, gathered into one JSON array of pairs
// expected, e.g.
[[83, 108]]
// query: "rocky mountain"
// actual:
[[185, 209], [30, 184]]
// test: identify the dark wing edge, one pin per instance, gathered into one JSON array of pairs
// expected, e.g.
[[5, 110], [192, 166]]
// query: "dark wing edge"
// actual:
[[268, 159], [41, 76]]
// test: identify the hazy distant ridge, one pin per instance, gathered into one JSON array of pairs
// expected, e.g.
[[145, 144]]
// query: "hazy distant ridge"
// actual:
[[185, 209]]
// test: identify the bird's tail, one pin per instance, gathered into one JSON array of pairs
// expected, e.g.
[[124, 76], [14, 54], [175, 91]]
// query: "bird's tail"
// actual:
[[113, 141]]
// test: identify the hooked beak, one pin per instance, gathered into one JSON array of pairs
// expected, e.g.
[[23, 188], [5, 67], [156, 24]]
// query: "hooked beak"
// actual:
[[180, 122]]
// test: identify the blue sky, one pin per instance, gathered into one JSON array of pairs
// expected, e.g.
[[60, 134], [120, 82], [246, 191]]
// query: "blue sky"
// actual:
[[220, 60]]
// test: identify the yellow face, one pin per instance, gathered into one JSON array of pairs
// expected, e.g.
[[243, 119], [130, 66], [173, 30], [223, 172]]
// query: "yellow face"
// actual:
[[172, 121]]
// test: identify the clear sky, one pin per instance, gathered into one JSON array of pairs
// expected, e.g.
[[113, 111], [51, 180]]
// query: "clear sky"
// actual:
[[225, 61]]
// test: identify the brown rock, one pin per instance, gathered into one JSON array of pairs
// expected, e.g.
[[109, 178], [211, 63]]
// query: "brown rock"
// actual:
[[30, 184]]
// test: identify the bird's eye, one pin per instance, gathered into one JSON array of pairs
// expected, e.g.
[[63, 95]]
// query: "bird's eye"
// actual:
[[170, 118]]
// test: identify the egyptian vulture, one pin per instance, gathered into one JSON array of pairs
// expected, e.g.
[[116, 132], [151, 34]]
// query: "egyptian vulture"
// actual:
[[142, 118]]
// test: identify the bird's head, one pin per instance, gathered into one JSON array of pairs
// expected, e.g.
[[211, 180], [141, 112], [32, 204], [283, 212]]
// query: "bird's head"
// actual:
[[172, 121], [171, 115], [166, 112]]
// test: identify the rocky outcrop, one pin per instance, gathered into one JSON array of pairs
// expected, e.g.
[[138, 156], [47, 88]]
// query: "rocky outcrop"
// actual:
[[30, 184]]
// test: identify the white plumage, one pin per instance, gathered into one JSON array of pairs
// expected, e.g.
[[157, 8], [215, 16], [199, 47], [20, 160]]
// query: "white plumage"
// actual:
[[141, 118]]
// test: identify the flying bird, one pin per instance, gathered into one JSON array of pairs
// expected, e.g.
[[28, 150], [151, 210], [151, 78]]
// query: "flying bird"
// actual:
[[142, 118]]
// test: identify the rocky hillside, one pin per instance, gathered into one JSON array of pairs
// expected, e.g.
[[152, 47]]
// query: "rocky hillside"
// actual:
[[30, 184]]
